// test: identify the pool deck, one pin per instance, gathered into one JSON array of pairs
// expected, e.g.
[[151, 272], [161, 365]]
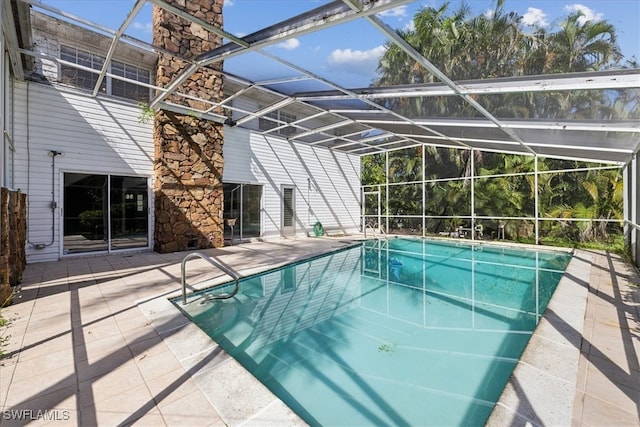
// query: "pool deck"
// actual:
[[94, 341]]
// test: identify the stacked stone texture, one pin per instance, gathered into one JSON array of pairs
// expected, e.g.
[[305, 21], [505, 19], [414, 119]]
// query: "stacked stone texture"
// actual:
[[13, 236], [188, 150]]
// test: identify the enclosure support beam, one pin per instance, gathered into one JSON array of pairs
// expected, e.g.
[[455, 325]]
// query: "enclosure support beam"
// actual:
[[424, 190], [386, 191], [537, 200], [473, 200], [632, 208]]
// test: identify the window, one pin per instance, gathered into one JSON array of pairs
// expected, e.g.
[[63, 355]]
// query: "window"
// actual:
[[126, 89], [76, 77], [86, 79], [275, 119]]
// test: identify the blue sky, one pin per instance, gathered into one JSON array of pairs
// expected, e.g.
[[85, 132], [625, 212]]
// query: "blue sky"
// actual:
[[347, 54]]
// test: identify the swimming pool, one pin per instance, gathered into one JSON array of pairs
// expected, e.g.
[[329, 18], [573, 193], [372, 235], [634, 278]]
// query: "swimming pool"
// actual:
[[403, 331]]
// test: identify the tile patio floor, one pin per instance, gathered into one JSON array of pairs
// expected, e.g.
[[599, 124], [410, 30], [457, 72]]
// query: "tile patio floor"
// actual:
[[94, 341]]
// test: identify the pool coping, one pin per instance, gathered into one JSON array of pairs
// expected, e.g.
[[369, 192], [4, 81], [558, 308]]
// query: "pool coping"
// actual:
[[540, 391]]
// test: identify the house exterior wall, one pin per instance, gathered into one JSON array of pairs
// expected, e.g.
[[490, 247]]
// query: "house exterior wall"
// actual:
[[327, 184], [105, 136], [96, 135]]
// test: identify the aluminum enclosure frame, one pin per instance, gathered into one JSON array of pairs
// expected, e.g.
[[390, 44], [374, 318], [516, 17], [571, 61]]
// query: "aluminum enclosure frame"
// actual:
[[354, 120]]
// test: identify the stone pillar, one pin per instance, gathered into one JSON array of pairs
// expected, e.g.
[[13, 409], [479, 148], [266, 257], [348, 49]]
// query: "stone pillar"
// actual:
[[188, 150], [13, 237]]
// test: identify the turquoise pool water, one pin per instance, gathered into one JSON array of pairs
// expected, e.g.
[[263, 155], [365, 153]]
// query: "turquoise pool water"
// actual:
[[393, 332]]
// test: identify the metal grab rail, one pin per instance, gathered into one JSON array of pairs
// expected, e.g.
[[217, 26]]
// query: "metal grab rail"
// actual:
[[372, 225], [183, 269]]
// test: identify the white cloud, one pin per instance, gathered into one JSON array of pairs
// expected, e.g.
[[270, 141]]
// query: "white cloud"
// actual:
[[289, 44], [342, 56], [147, 27], [228, 2], [396, 12], [535, 17], [362, 62], [588, 14]]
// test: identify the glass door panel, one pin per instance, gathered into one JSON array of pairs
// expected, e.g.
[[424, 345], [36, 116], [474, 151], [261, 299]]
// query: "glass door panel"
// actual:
[[129, 212], [231, 212], [251, 199], [85, 218]]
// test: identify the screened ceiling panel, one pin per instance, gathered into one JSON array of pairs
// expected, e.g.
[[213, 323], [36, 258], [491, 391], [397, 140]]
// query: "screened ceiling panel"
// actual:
[[266, 80], [581, 154], [505, 146], [584, 139]]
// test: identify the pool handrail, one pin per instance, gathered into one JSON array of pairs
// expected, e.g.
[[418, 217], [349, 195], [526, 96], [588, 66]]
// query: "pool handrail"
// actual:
[[227, 271]]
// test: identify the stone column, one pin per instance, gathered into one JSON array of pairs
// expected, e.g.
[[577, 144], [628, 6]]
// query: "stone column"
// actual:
[[13, 238], [188, 150]]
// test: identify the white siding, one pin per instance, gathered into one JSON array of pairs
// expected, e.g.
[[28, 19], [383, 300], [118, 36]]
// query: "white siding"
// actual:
[[327, 183], [98, 136]]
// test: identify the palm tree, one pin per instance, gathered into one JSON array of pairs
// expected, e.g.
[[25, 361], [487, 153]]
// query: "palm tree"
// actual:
[[582, 45], [494, 45]]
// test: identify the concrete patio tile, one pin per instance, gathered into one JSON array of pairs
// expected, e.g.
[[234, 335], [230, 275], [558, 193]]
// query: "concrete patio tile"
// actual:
[[7, 366], [194, 408], [578, 407], [610, 349], [145, 342], [151, 419], [171, 386], [51, 391], [94, 350], [51, 307], [38, 367], [123, 409], [597, 412], [99, 329], [41, 331], [103, 365], [119, 304], [15, 336], [581, 376], [90, 312], [609, 384], [116, 381], [155, 365], [131, 322]]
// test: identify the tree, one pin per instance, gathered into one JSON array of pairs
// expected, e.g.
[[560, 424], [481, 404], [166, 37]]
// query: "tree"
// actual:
[[496, 44]]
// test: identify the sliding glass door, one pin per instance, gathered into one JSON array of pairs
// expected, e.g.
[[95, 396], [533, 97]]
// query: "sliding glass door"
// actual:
[[104, 212], [242, 208]]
